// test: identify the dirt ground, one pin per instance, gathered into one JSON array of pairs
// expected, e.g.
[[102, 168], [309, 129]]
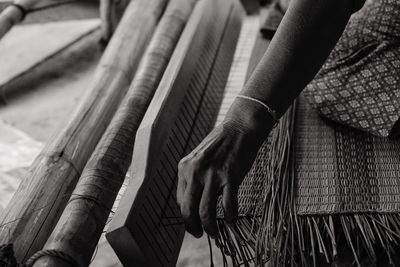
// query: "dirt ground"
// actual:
[[41, 105]]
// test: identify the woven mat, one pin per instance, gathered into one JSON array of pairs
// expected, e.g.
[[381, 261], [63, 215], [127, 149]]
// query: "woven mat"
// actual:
[[340, 170], [337, 169]]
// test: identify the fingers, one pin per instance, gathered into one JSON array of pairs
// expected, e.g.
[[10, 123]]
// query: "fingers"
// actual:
[[199, 205], [188, 196], [208, 206], [180, 190], [230, 203], [190, 208], [201, 179]]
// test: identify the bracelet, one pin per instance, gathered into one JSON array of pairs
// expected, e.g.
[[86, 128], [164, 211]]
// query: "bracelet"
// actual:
[[271, 112]]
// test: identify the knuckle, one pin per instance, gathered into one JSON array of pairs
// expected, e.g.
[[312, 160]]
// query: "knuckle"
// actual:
[[179, 199], [200, 154], [182, 164], [187, 213], [189, 163], [222, 176], [204, 216]]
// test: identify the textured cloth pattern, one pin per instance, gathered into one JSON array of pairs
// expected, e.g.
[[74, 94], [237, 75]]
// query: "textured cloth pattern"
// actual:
[[359, 83], [337, 169], [342, 170]]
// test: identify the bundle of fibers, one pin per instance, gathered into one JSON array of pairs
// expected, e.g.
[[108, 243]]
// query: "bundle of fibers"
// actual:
[[262, 200], [319, 194]]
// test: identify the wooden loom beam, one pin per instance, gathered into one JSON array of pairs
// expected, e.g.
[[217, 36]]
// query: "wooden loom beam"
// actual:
[[81, 224], [146, 229], [40, 199]]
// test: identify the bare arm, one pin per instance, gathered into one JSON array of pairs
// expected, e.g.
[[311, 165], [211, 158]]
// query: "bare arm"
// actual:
[[308, 33], [218, 165]]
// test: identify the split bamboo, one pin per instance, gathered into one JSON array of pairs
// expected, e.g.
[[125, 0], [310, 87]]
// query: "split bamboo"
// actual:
[[81, 224], [39, 201], [13, 14]]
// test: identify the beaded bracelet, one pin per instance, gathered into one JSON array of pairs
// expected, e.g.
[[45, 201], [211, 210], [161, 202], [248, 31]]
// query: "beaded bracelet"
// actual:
[[271, 112]]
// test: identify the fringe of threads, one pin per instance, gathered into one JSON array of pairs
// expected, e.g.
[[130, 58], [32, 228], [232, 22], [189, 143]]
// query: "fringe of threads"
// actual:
[[276, 236]]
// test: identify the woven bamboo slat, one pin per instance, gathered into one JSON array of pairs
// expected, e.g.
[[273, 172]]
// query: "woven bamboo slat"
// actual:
[[85, 216], [39, 201]]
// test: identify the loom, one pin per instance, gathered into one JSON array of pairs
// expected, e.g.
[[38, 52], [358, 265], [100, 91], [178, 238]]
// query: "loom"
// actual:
[[304, 150], [192, 98], [321, 184], [183, 111]]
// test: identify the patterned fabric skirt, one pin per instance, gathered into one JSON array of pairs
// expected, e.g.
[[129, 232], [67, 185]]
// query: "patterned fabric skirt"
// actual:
[[359, 84]]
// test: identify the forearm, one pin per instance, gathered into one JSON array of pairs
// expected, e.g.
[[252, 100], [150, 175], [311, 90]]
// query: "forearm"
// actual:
[[220, 163], [308, 33]]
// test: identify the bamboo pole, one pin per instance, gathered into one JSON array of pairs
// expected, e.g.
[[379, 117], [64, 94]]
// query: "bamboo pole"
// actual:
[[81, 224], [110, 13], [106, 18], [14, 14], [39, 201]]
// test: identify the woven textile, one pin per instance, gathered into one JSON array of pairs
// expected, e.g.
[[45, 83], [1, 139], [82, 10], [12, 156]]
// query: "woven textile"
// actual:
[[337, 169], [334, 189], [342, 170], [359, 83]]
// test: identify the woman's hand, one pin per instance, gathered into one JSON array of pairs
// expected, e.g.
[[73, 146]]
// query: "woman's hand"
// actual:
[[218, 166]]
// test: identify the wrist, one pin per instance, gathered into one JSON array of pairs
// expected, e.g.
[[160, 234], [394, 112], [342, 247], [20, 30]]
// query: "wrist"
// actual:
[[250, 118]]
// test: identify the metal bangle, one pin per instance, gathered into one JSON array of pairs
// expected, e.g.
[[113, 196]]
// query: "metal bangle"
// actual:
[[271, 111]]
